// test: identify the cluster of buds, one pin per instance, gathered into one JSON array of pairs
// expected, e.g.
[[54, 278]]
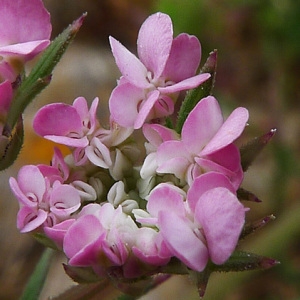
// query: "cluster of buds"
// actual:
[[150, 193]]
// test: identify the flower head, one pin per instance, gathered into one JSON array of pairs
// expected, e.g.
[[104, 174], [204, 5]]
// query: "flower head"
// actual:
[[206, 224], [150, 84], [206, 144]]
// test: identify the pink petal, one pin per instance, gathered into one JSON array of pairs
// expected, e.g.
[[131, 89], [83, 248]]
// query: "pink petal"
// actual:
[[222, 217], [29, 21], [148, 247], [172, 157], [182, 241], [166, 197], [25, 50], [184, 58], [129, 65], [156, 134], [30, 187], [146, 108], [58, 231], [229, 131], [202, 124], [29, 218], [64, 200], [83, 240], [228, 158], [186, 84], [204, 183], [154, 43], [123, 104], [57, 119]]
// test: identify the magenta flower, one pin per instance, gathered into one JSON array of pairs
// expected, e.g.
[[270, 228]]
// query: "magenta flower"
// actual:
[[70, 125], [42, 203], [206, 225], [25, 30], [150, 85], [206, 144], [101, 237]]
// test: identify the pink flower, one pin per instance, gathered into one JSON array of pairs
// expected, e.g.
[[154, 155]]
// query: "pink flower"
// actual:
[[42, 203], [25, 30], [70, 125], [205, 225], [101, 237], [206, 144], [150, 85]]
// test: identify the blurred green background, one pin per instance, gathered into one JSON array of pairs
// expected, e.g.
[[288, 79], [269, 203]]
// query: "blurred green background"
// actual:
[[258, 44]]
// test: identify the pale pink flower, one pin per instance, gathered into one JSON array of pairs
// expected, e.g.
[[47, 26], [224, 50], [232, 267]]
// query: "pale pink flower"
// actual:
[[101, 237], [205, 225], [70, 125], [206, 144], [151, 83], [25, 30], [41, 202]]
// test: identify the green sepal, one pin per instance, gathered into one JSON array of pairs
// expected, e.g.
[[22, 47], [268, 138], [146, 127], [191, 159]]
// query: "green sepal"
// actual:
[[13, 144], [44, 240], [40, 75], [245, 195], [253, 226], [245, 261], [81, 274], [201, 279], [196, 94], [37, 279], [250, 151]]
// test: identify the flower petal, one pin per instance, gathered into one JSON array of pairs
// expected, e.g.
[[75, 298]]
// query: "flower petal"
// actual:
[[129, 65], [202, 124], [123, 104], [222, 217], [185, 84], [229, 131], [30, 218], [184, 58], [146, 109], [204, 183], [182, 241], [28, 21], [154, 43], [57, 119]]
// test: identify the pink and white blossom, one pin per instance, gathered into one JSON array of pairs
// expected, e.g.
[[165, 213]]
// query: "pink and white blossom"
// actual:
[[150, 84], [206, 224], [41, 202], [206, 144]]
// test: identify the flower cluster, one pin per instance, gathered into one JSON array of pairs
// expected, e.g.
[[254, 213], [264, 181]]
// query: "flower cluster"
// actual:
[[113, 204], [136, 195]]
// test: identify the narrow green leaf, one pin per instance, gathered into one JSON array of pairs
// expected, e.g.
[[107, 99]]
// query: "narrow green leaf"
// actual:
[[243, 194], [195, 95], [245, 261], [40, 75], [10, 147], [37, 279], [250, 151], [253, 226]]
